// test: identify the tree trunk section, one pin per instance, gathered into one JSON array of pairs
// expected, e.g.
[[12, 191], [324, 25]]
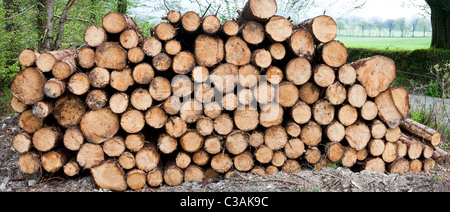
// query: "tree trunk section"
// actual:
[[429, 135]]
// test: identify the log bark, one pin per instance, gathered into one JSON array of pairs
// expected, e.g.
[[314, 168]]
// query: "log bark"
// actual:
[[429, 135], [375, 74]]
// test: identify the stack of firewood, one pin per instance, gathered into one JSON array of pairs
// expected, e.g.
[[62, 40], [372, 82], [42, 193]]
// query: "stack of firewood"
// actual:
[[200, 98]]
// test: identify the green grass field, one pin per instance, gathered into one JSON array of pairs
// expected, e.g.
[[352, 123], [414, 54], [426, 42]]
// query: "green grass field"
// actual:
[[386, 43]]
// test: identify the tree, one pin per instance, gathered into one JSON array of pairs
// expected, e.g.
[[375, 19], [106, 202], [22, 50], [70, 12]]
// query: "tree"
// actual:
[[413, 24], [390, 25], [440, 22], [363, 25], [378, 23], [341, 26], [424, 25], [400, 23], [122, 6]]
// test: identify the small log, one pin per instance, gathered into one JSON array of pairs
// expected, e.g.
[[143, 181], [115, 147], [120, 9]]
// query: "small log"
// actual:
[[393, 135], [374, 165], [256, 139], [271, 115], [400, 165], [263, 154], [347, 115], [173, 17], [193, 173], [224, 77], [261, 58], [333, 53], [237, 51], [274, 75], [243, 162], [387, 111], [96, 99], [358, 135], [86, 57], [223, 124], [28, 86], [323, 75], [205, 126], [301, 43], [401, 100], [311, 134], [191, 111], [369, 111], [378, 129], [279, 158], [46, 60], [301, 113], [390, 152], [293, 129], [71, 168], [258, 10], [114, 147], [376, 147], [309, 93], [143, 73], [213, 145], [288, 94], [221, 163], [298, 71], [28, 57], [65, 68], [191, 22], [312, 155], [191, 141], [54, 160], [79, 84], [429, 135], [248, 76], [115, 22], [176, 127], [155, 177], [99, 77], [201, 158], [132, 121], [230, 28], [291, 166], [172, 47], [349, 158], [336, 94], [141, 99], [323, 28], [135, 142], [173, 175], [415, 147], [236, 142], [136, 179], [152, 46], [428, 164], [147, 158], [165, 31], [347, 74], [47, 138], [323, 112], [335, 151], [73, 139], [279, 29], [111, 55], [90, 155], [98, 126], [109, 175], [30, 123], [160, 88], [357, 96], [200, 74], [183, 160], [43, 109], [95, 35], [17, 105], [22, 142], [121, 80], [294, 148], [212, 110], [211, 24], [246, 118], [183, 62], [118, 103], [335, 131], [29, 162]]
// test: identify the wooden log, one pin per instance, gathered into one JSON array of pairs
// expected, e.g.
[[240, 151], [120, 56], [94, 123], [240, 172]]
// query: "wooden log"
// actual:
[[347, 115], [291, 166], [230, 28], [288, 94], [357, 95], [258, 170], [115, 22], [114, 147], [243, 162], [312, 155], [347, 74], [378, 129], [237, 51], [400, 165], [191, 22], [201, 158], [211, 24], [78, 84], [263, 154], [301, 113], [162, 61], [71, 168], [301, 44], [245, 97], [248, 76], [183, 62], [246, 118], [213, 145], [96, 99], [369, 111], [54, 160], [165, 31], [191, 141], [90, 155], [148, 157], [172, 47], [193, 173], [274, 75], [415, 165], [311, 134], [111, 55], [402, 149], [264, 93], [387, 111], [28, 86], [73, 139], [279, 158], [43, 109], [47, 138], [22, 142], [17, 105], [99, 77], [212, 110], [298, 71], [375, 74], [323, 112], [209, 51], [293, 129], [236, 142], [221, 163], [109, 175], [393, 135], [65, 68], [30, 123], [176, 126], [205, 126], [376, 147], [132, 121], [429, 135], [278, 29], [278, 51], [136, 179], [28, 57], [390, 152], [335, 131], [333, 53], [155, 177], [183, 160], [323, 75], [256, 139], [335, 151], [294, 148], [401, 100], [200, 74], [223, 124], [323, 28], [349, 158], [358, 135], [336, 94], [309, 93], [182, 86], [29, 162], [173, 175], [47, 59], [135, 142], [86, 57], [118, 103], [141, 99], [95, 35], [253, 32], [160, 88], [98, 126], [191, 111], [173, 17], [224, 77], [415, 147], [121, 80], [271, 115], [428, 164], [362, 154], [374, 165], [143, 73], [261, 58], [152, 46], [258, 10]]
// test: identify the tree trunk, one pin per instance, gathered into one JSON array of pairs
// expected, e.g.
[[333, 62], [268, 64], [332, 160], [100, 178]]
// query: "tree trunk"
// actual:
[[109, 175], [440, 21]]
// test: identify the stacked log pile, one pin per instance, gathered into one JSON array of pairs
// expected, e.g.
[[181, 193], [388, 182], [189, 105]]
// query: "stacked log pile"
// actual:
[[200, 98]]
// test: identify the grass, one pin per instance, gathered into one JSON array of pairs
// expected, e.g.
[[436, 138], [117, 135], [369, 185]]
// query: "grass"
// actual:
[[386, 43], [5, 99]]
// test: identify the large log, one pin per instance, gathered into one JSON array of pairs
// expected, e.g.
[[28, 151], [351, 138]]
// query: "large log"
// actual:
[[323, 28], [258, 10], [28, 86]]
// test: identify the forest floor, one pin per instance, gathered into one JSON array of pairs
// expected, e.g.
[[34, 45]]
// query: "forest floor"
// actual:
[[325, 180]]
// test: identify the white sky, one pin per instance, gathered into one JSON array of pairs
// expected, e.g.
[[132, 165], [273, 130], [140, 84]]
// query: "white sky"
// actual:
[[386, 9]]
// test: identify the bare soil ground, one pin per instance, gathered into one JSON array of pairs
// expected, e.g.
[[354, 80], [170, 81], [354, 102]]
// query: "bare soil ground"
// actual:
[[327, 179]]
